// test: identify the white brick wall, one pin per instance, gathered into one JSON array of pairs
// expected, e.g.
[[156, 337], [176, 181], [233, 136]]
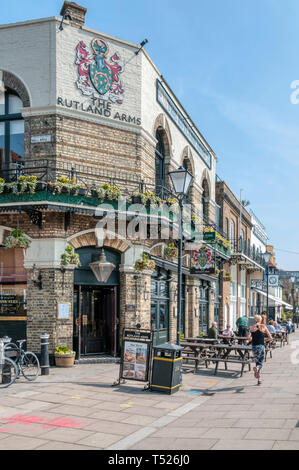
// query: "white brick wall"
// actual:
[[44, 59]]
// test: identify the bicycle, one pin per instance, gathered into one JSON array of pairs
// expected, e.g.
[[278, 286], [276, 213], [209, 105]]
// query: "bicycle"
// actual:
[[26, 361], [9, 370]]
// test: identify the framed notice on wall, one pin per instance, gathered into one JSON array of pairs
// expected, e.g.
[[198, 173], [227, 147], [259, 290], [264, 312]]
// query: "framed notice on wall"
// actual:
[[63, 311], [135, 358]]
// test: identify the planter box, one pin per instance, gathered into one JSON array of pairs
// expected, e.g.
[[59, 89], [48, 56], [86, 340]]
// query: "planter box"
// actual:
[[64, 360], [41, 186], [82, 192], [94, 193], [136, 200]]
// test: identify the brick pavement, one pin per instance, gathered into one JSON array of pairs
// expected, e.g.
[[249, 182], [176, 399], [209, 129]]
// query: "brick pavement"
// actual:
[[78, 409]]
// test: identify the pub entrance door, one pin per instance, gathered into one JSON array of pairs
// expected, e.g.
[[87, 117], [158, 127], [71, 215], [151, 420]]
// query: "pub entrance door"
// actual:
[[95, 317]]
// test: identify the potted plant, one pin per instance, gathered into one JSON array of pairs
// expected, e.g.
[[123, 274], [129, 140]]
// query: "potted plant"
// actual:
[[41, 186], [17, 239], [2, 185], [147, 199], [227, 277], [170, 251], [67, 186], [69, 257], [24, 184], [144, 263], [64, 357], [107, 191]]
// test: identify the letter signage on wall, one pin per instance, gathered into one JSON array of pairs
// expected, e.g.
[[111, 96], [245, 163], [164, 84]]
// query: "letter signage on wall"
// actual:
[[172, 110]]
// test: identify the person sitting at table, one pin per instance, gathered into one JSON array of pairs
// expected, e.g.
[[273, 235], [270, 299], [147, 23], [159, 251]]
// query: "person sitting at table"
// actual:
[[271, 327], [229, 333], [213, 331]]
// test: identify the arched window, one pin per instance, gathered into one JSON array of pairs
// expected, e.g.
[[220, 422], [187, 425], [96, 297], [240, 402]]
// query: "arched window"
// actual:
[[205, 199], [232, 234], [160, 162], [11, 134]]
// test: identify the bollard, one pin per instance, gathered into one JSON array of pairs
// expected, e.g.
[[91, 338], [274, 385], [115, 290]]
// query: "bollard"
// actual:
[[44, 350]]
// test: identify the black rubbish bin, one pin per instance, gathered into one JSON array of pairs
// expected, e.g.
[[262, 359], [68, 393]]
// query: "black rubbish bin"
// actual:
[[166, 368]]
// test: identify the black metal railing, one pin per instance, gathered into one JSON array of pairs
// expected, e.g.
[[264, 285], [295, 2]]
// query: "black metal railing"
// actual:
[[87, 176], [238, 245]]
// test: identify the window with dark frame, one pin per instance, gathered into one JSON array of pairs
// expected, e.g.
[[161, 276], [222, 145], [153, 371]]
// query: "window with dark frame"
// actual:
[[11, 134]]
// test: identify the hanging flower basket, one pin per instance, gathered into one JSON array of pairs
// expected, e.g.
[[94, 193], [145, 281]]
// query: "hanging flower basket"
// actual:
[[170, 251], [17, 239], [144, 263], [69, 257]]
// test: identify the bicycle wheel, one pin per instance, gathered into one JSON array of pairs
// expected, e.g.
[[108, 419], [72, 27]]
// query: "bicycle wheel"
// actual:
[[8, 372], [29, 366]]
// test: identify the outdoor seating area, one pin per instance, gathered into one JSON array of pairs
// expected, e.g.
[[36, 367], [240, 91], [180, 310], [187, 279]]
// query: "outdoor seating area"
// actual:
[[225, 350]]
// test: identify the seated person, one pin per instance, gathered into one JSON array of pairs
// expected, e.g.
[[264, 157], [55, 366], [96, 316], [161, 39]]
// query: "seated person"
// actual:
[[271, 327], [213, 331], [227, 332]]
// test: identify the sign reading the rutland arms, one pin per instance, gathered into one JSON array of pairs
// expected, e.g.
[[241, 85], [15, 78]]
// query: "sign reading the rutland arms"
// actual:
[[203, 261], [99, 77]]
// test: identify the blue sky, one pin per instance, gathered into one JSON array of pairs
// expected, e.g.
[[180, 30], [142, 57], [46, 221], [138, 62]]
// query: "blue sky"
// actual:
[[231, 63]]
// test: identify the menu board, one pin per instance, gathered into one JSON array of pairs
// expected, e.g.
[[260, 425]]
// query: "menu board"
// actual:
[[136, 355]]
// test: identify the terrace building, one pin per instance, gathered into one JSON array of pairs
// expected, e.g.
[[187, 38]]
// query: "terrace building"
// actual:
[[92, 118]]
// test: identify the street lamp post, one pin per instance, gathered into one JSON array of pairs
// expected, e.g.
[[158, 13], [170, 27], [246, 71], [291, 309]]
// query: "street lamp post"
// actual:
[[267, 257], [181, 180], [293, 296]]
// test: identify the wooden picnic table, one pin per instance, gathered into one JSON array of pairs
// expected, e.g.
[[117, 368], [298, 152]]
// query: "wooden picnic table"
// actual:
[[199, 339], [204, 352]]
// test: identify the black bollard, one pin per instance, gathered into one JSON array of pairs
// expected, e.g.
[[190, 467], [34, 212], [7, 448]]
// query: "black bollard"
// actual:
[[44, 350]]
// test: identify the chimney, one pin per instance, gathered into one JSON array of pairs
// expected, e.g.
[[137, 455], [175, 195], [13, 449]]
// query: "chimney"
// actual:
[[76, 12]]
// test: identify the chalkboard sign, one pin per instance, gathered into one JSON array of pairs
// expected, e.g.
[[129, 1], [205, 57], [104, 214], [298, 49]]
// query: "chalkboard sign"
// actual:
[[136, 355]]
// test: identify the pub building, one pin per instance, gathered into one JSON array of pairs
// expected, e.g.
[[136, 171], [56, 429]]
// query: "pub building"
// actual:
[[87, 119]]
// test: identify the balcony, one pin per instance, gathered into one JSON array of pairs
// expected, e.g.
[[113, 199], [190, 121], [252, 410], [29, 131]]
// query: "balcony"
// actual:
[[242, 253]]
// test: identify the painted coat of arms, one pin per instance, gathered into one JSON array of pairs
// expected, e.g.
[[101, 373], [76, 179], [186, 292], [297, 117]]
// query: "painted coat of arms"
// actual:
[[98, 72], [203, 259]]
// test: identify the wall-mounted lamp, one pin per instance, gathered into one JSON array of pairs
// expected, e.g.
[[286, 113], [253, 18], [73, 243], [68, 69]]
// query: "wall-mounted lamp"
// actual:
[[66, 16], [142, 44], [37, 278]]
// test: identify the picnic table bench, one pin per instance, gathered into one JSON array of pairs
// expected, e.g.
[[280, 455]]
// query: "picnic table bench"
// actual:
[[216, 353]]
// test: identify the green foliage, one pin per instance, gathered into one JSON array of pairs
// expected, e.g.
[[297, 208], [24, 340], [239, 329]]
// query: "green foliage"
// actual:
[[144, 263], [69, 257], [17, 239]]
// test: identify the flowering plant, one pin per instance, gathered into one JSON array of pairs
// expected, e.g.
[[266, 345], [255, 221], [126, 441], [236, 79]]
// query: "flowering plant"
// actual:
[[2, 183], [61, 350], [107, 191], [148, 198], [63, 184], [23, 184], [144, 263]]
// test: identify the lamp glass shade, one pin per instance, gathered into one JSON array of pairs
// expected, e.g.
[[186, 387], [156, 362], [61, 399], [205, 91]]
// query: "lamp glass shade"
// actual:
[[102, 268], [181, 180], [267, 256]]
